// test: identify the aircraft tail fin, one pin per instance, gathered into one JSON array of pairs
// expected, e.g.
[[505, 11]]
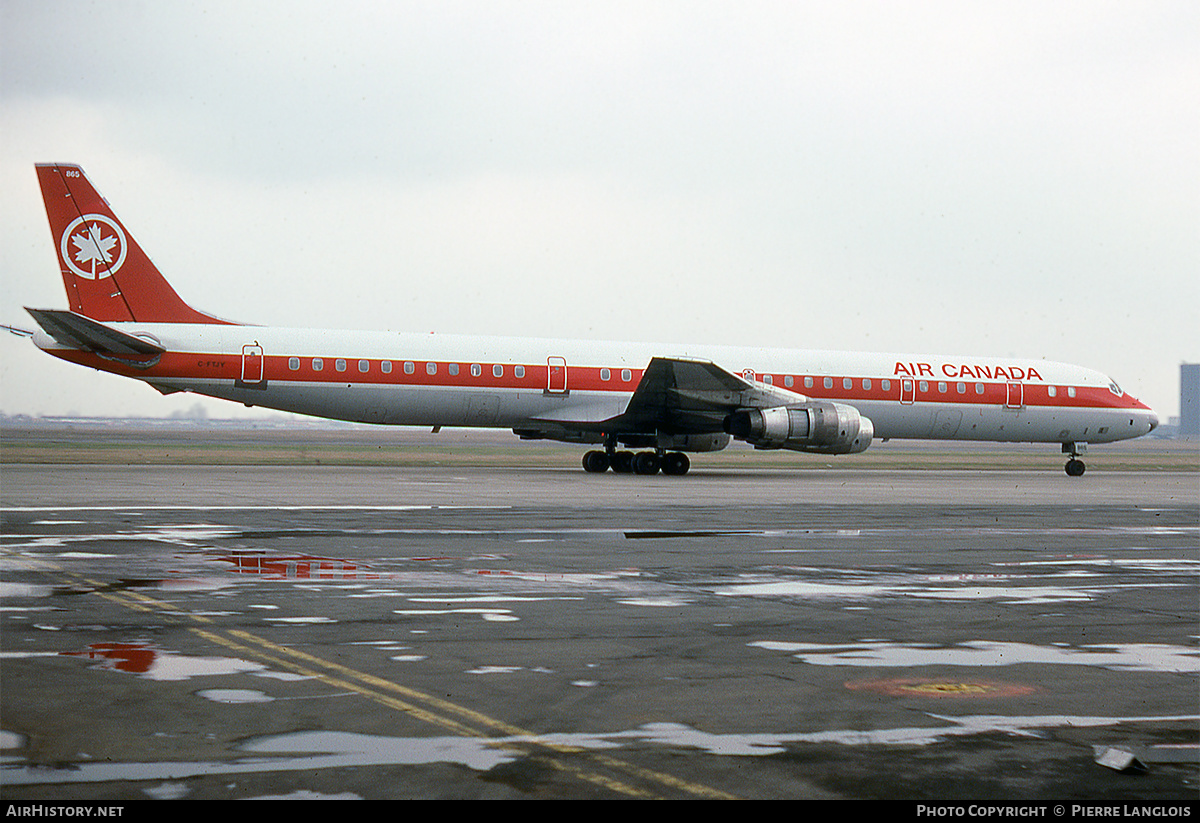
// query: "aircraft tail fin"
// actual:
[[107, 275]]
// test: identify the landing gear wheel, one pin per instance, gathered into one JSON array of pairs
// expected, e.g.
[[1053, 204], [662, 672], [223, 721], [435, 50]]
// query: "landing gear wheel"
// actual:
[[595, 462], [645, 463], [1075, 468], [676, 464]]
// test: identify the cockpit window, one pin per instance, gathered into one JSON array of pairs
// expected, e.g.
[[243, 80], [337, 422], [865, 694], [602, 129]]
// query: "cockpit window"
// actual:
[[1114, 388]]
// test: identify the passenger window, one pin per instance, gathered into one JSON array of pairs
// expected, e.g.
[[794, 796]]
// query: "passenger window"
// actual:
[[385, 366], [942, 388], [605, 375], [829, 382], [769, 379], [431, 368], [519, 371], [497, 370], [847, 383], [318, 364], [962, 388], [924, 385], [1052, 391], [339, 364], [409, 367], [453, 369], [1070, 391], [979, 388], [885, 385], [626, 375], [293, 363], [476, 369], [364, 366], [788, 380], [808, 384]]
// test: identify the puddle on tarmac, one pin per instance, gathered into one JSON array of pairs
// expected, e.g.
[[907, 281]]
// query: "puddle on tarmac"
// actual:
[[153, 663], [490, 615], [10, 589], [1139, 657], [1040, 583], [300, 751], [233, 696], [310, 750], [656, 602], [297, 567]]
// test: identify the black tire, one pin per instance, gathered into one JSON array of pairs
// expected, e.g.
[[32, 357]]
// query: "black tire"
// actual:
[[645, 463], [1075, 468], [595, 462], [676, 464]]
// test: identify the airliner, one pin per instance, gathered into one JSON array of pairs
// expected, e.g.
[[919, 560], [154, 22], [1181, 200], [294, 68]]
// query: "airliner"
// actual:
[[642, 408]]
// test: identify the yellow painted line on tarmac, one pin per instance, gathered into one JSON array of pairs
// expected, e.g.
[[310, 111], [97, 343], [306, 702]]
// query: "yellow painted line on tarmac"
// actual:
[[484, 720], [347, 685], [420, 705], [387, 685]]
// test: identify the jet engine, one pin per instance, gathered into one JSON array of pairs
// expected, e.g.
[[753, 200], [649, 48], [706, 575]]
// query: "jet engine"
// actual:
[[816, 426]]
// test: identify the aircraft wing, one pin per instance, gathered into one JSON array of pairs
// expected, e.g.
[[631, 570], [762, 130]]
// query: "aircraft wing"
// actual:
[[680, 395], [675, 396]]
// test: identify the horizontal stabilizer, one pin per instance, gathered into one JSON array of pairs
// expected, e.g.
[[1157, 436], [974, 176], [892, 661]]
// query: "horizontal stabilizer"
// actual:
[[78, 332]]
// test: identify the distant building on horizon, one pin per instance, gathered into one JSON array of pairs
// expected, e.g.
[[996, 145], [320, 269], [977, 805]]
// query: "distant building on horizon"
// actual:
[[1189, 400]]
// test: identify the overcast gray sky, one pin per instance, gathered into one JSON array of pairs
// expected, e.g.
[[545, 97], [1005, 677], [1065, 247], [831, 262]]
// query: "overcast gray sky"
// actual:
[[1009, 178]]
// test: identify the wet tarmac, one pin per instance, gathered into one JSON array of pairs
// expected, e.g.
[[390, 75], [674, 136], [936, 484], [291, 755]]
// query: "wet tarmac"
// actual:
[[321, 632]]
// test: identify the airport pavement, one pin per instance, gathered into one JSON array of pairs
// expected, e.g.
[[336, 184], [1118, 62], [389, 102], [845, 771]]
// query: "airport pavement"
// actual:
[[426, 632]]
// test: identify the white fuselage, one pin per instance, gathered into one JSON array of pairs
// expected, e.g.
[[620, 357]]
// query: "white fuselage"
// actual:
[[453, 380]]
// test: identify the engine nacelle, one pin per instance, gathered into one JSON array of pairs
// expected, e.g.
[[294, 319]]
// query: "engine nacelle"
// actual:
[[816, 426]]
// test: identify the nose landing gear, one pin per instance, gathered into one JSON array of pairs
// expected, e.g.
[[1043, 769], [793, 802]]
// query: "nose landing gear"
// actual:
[[1075, 467]]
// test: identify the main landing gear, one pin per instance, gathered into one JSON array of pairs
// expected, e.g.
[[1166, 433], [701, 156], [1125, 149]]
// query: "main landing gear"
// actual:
[[647, 463], [1075, 466]]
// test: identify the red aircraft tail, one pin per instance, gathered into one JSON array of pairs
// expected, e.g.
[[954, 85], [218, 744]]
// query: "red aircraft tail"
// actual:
[[107, 275]]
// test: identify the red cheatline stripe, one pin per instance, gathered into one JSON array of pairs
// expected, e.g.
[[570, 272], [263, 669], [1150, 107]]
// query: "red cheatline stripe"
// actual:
[[194, 365]]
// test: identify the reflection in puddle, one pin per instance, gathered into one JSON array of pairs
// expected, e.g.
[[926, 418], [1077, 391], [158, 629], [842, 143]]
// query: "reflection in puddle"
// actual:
[[1142, 657], [310, 750], [298, 567], [769, 743], [494, 670], [1039, 582], [491, 615], [168, 791], [11, 589], [657, 602], [301, 751], [155, 664], [234, 696]]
